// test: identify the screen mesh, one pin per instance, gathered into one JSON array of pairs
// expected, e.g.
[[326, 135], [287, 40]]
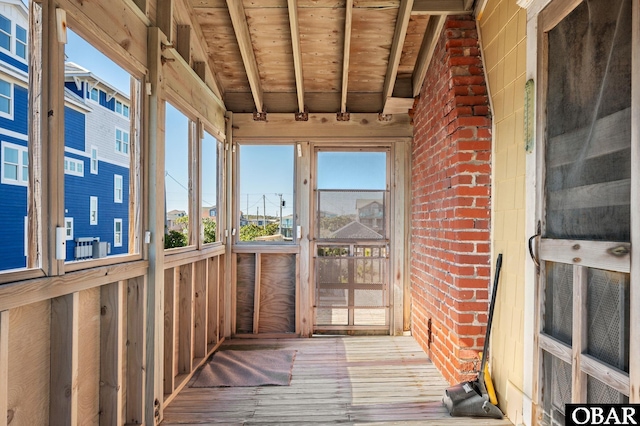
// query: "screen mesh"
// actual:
[[558, 305], [557, 389], [351, 215], [588, 136]]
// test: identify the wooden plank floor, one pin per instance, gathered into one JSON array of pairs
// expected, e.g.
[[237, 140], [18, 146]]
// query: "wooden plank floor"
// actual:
[[349, 380]]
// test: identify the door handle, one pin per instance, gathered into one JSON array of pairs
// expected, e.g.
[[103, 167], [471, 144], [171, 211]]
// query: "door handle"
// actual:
[[534, 256]]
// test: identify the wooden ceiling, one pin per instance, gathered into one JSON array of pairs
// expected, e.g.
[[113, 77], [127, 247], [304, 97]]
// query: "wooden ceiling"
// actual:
[[320, 56]]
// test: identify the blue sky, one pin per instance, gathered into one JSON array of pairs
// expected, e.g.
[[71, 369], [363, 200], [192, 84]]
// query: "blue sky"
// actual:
[[265, 170]]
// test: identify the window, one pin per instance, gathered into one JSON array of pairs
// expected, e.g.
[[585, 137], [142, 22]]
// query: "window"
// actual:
[[6, 98], [15, 164], [5, 33], [125, 111], [68, 225], [176, 166], [94, 160], [73, 167], [95, 95], [266, 175], [117, 232], [119, 107], [210, 173], [122, 142], [21, 42], [93, 210], [117, 188]]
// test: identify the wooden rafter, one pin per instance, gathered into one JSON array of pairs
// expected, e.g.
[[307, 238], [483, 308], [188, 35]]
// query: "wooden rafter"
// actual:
[[241, 29], [442, 7], [434, 28], [402, 23], [297, 55], [347, 51]]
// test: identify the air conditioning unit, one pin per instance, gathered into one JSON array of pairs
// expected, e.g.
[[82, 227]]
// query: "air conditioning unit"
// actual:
[[101, 249]]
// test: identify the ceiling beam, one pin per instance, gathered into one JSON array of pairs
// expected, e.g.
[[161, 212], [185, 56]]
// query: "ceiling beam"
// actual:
[[214, 81], [431, 35], [346, 54], [441, 7], [297, 55], [402, 23], [241, 29]]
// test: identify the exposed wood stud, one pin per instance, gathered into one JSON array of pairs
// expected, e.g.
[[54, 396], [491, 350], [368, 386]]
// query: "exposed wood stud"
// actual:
[[164, 18], [441, 7], [170, 319], [402, 23], [136, 353], [241, 29], [64, 356], [348, 20], [112, 352], [4, 367], [434, 29], [183, 42], [200, 68], [297, 55]]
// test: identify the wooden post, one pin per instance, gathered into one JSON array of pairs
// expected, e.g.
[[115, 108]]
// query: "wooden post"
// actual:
[[169, 330], [4, 366], [136, 351], [201, 299], [230, 223], [304, 323], [213, 317], [156, 216], [185, 319], [111, 353], [63, 397]]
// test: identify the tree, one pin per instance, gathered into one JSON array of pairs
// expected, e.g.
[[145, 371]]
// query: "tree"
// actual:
[[175, 239], [251, 231], [209, 230]]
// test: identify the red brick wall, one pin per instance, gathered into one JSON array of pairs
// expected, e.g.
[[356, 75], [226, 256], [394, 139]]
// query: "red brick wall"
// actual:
[[450, 204]]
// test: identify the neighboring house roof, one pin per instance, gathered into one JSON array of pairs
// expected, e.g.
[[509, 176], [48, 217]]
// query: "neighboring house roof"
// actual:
[[364, 203], [73, 99], [77, 73], [356, 230], [205, 211]]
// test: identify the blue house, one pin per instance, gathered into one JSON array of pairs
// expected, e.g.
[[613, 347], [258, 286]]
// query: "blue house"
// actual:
[[96, 159]]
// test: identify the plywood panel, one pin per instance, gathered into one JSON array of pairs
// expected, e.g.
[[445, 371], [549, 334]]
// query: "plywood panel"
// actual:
[[89, 357], [321, 44], [212, 296], [169, 331], [223, 48], [412, 43], [201, 299], [373, 31], [271, 37], [29, 364], [245, 290], [277, 293], [111, 353], [185, 324]]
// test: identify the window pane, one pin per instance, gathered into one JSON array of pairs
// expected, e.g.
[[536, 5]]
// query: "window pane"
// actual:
[[176, 178], [11, 155], [352, 170], [21, 33], [210, 173], [11, 171], [5, 33], [91, 197], [266, 193], [5, 24]]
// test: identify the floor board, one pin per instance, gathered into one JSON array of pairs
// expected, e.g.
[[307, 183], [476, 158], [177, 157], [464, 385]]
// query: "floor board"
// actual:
[[346, 380]]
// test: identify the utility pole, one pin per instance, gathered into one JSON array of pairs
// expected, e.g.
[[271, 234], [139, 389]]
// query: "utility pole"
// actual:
[[280, 227], [264, 211]]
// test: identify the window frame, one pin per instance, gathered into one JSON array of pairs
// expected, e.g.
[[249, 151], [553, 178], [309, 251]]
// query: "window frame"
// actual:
[[20, 164], [18, 41], [124, 146], [219, 149], [67, 221], [237, 203], [93, 162], [9, 34], [93, 207], [118, 190], [117, 221], [68, 161], [11, 98]]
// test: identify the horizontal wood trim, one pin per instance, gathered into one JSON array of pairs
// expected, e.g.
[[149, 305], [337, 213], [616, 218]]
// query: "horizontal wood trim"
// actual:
[[173, 260], [610, 134], [266, 248], [195, 96], [319, 126], [21, 275], [105, 261], [31, 291], [555, 347], [117, 26], [605, 194], [555, 12], [610, 376], [593, 254], [439, 7], [398, 105]]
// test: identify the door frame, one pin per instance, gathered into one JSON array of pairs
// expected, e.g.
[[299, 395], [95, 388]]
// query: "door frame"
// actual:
[[557, 9]]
